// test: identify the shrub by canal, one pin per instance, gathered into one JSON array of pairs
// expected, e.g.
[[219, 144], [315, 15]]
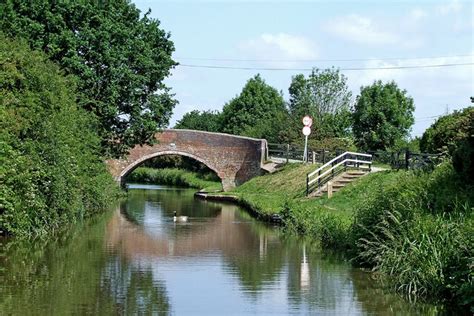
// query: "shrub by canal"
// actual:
[[51, 172]]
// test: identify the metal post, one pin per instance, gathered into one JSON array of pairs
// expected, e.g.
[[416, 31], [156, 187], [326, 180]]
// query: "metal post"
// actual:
[[319, 179], [324, 156], [305, 153], [287, 153]]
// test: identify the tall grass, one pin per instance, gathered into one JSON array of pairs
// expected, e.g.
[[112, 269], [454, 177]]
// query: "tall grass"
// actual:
[[419, 234]]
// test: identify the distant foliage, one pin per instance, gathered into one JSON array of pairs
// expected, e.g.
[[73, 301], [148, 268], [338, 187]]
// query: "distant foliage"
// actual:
[[210, 121], [173, 176], [183, 163], [332, 144], [383, 116], [51, 173], [120, 57], [324, 96], [258, 111]]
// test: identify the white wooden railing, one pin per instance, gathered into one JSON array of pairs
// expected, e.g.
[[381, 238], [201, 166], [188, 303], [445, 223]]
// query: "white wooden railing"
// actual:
[[317, 178]]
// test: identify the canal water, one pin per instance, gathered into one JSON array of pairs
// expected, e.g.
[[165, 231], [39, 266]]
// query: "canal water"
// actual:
[[136, 260]]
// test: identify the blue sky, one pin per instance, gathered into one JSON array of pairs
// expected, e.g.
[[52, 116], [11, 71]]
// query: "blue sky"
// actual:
[[299, 34]]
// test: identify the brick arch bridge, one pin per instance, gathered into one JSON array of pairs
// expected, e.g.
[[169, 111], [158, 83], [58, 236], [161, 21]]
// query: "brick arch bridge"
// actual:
[[235, 159]]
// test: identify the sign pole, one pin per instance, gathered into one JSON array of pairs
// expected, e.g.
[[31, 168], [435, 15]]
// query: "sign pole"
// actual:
[[307, 122], [305, 158]]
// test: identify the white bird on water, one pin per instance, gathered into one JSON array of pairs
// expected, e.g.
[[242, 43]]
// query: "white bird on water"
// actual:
[[179, 219]]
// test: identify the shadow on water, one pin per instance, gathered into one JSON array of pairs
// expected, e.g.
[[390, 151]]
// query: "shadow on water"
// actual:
[[136, 260]]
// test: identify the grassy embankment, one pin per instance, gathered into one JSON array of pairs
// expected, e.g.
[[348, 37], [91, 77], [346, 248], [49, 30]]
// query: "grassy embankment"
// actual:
[[173, 176], [416, 228]]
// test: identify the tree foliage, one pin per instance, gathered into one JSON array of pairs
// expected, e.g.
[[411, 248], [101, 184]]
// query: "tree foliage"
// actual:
[[51, 173], [324, 96], [443, 135], [119, 57], [453, 134], [382, 116], [258, 111], [209, 121]]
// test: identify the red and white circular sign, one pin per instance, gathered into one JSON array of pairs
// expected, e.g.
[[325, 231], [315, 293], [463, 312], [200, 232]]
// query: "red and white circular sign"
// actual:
[[307, 121], [306, 131]]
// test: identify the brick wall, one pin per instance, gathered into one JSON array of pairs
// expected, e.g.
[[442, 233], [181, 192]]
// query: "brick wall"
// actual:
[[235, 159]]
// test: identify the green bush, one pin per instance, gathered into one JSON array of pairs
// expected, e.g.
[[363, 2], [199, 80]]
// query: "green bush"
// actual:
[[463, 154], [332, 144], [447, 131], [51, 173]]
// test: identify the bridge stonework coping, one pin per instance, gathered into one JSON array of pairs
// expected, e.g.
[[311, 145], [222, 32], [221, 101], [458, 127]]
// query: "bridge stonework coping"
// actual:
[[235, 159]]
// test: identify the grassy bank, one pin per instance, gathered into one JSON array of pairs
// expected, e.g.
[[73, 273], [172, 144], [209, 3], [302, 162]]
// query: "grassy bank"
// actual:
[[414, 228], [172, 176]]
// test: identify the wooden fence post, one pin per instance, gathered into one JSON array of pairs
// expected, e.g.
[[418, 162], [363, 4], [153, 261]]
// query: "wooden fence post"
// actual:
[[287, 153], [329, 189], [314, 157]]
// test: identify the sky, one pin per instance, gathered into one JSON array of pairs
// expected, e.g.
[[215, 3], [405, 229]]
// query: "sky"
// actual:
[[299, 35]]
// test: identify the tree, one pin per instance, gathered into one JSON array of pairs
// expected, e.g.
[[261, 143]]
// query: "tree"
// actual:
[[453, 134], [51, 173], [202, 121], [444, 134], [258, 111], [324, 96], [120, 60], [383, 115]]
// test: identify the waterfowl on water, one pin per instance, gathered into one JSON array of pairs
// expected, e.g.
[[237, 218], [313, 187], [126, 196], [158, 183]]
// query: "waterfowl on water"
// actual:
[[179, 219]]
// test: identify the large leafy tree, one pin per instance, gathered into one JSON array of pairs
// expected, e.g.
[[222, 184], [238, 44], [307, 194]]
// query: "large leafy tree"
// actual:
[[120, 58], [383, 115], [51, 173], [258, 111], [325, 96], [202, 121]]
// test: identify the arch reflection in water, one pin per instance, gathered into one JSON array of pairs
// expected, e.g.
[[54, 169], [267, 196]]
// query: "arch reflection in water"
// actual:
[[222, 261]]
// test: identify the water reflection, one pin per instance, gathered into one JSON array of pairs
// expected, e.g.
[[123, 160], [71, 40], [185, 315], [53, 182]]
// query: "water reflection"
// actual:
[[138, 261]]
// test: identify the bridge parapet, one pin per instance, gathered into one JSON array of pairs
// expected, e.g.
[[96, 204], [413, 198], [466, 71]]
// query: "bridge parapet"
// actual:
[[235, 159]]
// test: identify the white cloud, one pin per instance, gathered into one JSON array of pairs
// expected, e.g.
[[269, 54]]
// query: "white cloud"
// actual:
[[280, 48], [453, 6], [417, 14], [360, 29]]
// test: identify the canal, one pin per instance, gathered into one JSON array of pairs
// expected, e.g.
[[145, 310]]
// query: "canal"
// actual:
[[136, 260]]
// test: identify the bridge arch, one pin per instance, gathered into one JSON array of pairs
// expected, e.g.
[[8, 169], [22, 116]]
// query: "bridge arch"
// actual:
[[138, 162], [235, 159]]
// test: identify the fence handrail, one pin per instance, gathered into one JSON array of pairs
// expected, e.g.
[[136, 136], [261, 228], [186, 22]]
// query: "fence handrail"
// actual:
[[325, 165], [337, 165], [357, 160]]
